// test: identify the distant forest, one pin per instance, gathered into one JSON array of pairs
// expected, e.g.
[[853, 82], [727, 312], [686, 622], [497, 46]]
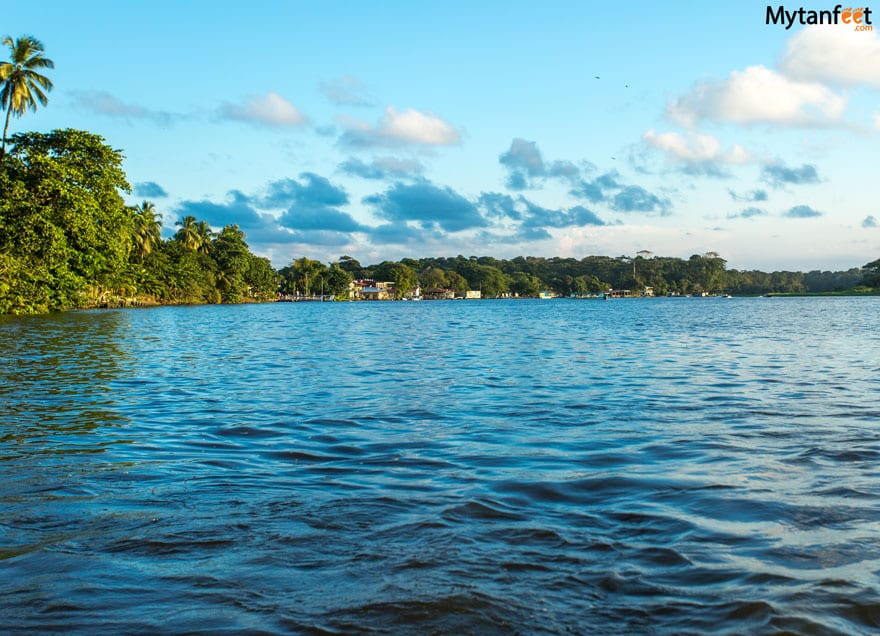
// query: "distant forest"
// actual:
[[528, 276]]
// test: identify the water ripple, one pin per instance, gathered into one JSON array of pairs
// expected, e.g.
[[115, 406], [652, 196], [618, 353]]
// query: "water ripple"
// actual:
[[658, 466]]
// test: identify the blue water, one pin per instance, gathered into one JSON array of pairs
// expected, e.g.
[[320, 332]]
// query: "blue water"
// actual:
[[699, 465]]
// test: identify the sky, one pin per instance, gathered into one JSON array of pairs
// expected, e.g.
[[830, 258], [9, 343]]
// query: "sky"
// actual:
[[384, 130]]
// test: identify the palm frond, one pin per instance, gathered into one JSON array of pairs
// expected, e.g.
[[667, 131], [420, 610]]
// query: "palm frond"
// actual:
[[39, 62], [21, 87]]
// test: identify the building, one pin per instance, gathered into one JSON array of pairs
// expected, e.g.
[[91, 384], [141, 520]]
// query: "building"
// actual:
[[438, 293], [369, 289]]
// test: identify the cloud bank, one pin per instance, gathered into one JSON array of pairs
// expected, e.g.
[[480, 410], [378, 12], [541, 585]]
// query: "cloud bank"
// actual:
[[758, 95], [835, 55]]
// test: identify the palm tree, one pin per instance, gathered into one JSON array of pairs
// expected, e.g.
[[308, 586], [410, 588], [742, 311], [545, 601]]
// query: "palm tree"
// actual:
[[147, 229], [22, 86], [205, 236], [188, 234]]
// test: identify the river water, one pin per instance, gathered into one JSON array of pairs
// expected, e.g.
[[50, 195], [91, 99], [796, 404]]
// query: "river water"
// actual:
[[699, 465]]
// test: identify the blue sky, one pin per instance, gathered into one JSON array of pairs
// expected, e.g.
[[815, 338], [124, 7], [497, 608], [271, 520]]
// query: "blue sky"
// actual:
[[394, 129]]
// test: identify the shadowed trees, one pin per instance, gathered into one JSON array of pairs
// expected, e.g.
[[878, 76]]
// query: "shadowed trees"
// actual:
[[871, 272]]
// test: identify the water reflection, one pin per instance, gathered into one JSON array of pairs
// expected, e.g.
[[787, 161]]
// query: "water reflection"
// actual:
[[55, 380]]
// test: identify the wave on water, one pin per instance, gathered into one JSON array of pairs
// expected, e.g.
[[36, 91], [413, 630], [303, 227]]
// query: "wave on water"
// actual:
[[643, 466]]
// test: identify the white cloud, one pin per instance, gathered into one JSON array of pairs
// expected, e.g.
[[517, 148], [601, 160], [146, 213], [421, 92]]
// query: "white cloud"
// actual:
[[417, 127], [695, 148], [759, 95], [270, 109], [407, 127], [834, 54]]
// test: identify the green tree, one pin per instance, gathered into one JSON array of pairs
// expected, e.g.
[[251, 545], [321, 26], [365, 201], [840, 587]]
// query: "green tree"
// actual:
[[523, 284], [352, 266], [405, 280], [457, 282], [337, 281], [147, 231], [189, 233], [433, 278], [403, 277], [63, 221], [183, 275], [205, 236], [490, 280], [261, 278], [305, 275], [22, 86], [871, 274], [233, 259]]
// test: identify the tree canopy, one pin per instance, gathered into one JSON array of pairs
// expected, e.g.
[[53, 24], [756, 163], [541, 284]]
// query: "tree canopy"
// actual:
[[67, 239]]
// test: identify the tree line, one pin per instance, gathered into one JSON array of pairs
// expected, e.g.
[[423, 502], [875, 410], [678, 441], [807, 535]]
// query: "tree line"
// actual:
[[528, 276], [67, 238]]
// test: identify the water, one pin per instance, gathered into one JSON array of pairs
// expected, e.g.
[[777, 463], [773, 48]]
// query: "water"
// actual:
[[533, 467]]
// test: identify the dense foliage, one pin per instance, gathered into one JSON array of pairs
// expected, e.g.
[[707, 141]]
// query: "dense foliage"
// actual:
[[67, 239], [528, 276]]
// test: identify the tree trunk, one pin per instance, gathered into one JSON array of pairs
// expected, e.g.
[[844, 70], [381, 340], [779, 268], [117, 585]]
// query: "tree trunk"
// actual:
[[5, 129]]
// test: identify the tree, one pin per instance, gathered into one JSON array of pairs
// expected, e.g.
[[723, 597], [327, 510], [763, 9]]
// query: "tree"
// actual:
[[261, 279], [184, 276], [490, 280], [63, 220], [872, 274], [457, 283], [22, 85], [433, 278], [305, 275], [338, 281], [403, 276], [189, 234], [523, 284], [232, 257], [205, 235], [405, 280], [147, 231]]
